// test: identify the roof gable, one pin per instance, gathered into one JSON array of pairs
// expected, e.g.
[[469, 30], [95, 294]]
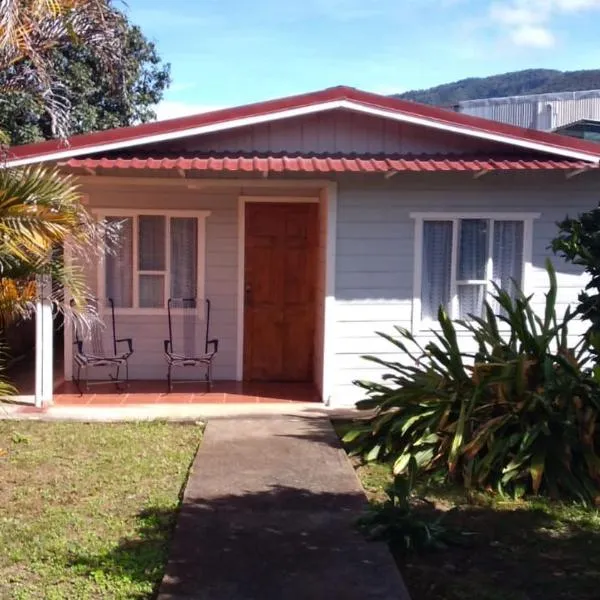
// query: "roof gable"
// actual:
[[345, 98]]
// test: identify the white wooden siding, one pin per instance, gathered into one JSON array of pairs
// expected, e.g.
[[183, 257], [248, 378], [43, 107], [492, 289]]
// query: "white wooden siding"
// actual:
[[375, 252], [335, 131]]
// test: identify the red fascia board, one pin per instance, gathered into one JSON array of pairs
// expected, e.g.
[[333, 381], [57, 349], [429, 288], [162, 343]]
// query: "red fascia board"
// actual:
[[376, 101]]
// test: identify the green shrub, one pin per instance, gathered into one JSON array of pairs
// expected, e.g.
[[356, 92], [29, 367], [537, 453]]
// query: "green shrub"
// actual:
[[519, 415], [578, 242], [396, 522]]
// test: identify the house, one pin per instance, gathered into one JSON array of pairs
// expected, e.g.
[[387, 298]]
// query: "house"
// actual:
[[313, 221]]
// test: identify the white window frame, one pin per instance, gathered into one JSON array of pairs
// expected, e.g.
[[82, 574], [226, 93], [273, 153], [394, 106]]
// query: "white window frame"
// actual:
[[199, 215], [527, 218]]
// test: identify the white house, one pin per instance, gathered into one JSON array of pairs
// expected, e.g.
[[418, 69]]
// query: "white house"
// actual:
[[315, 220]]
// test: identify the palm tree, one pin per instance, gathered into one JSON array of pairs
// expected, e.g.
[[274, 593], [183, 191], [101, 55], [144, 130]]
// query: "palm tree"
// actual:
[[30, 29], [41, 209]]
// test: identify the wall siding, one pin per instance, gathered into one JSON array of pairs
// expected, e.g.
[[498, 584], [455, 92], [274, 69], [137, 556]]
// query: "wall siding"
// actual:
[[375, 252], [335, 131], [148, 332]]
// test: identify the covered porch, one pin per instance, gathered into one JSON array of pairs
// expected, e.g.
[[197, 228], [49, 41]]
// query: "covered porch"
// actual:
[[269, 316]]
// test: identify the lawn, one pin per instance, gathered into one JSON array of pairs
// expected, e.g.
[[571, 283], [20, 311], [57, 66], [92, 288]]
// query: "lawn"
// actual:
[[503, 550], [87, 510]]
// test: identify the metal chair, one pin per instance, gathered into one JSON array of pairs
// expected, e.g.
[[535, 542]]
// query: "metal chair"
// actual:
[[89, 341], [189, 344]]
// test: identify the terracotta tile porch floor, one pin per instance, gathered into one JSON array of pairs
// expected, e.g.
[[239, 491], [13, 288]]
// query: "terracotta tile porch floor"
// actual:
[[154, 392]]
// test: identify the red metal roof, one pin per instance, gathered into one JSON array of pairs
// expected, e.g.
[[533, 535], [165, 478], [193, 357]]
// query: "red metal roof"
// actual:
[[326, 163], [93, 142]]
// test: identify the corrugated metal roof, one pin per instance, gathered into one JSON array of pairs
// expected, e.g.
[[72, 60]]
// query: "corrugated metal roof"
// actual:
[[326, 163], [128, 137]]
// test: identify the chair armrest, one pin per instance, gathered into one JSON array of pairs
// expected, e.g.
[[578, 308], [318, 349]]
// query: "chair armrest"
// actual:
[[167, 346], [129, 342], [214, 344]]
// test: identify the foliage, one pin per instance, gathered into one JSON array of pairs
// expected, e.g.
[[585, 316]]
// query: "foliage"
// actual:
[[517, 83], [31, 29], [578, 242], [394, 521], [96, 100], [40, 209], [518, 415]]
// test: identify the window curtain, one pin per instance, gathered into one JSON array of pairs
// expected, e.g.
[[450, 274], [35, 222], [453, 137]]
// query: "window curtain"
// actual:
[[436, 267], [151, 257], [473, 249], [508, 255], [472, 264], [184, 257], [119, 265]]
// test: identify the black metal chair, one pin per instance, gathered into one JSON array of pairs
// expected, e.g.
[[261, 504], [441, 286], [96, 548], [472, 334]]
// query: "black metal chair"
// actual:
[[90, 351], [189, 344]]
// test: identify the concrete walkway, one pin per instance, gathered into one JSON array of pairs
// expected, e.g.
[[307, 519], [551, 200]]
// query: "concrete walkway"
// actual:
[[268, 514]]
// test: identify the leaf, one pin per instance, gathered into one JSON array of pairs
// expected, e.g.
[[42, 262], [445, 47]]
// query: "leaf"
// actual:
[[536, 469]]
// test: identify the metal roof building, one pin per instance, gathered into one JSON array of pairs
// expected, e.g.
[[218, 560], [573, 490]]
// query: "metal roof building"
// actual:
[[545, 112]]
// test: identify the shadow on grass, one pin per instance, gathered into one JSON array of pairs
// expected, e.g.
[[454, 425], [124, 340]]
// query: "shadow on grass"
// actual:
[[141, 558], [509, 554]]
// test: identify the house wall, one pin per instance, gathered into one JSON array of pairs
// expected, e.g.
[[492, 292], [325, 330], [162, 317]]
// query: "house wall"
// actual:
[[221, 268], [148, 332], [376, 254], [335, 131]]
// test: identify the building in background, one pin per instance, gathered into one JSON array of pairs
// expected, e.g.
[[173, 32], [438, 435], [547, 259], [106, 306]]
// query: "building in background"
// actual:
[[576, 114]]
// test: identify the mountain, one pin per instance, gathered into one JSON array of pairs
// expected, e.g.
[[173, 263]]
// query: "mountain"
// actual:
[[517, 83]]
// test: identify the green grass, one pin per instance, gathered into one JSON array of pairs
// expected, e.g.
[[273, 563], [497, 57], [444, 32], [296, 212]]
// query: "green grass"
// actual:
[[87, 510], [504, 550]]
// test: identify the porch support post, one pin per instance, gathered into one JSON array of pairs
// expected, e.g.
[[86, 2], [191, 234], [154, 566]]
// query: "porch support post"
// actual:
[[329, 329], [68, 321], [43, 343]]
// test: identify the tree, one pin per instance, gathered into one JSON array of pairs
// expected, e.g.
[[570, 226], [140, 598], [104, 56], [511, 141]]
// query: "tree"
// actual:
[[40, 209], [97, 99]]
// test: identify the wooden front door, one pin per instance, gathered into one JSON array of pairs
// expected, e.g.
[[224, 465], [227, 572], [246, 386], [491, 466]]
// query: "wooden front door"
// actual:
[[280, 284]]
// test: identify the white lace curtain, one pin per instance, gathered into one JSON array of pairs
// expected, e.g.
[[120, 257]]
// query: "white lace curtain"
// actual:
[[471, 284]]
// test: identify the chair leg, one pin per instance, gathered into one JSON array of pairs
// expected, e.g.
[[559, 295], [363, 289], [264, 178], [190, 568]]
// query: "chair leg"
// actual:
[[209, 375], [117, 383], [169, 386], [78, 380]]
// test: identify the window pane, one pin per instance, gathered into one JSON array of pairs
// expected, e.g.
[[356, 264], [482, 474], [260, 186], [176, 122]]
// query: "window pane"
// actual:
[[508, 254], [473, 249], [184, 257], [470, 300], [119, 264], [152, 291], [436, 272], [151, 241]]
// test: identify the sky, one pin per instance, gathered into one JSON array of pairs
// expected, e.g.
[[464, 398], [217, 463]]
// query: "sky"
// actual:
[[231, 52]]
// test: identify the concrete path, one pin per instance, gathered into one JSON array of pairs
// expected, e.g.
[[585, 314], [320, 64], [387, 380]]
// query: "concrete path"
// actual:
[[268, 514]]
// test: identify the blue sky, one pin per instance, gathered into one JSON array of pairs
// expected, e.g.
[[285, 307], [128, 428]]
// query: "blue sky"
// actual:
[[230, 52]]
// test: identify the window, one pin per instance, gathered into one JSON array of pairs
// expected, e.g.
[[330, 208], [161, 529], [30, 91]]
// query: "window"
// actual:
[[457, 258], [158, 256]]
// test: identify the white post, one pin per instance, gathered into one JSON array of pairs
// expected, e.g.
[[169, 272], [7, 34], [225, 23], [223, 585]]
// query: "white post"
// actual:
[[68, 323], [329, 334], [43, 343]]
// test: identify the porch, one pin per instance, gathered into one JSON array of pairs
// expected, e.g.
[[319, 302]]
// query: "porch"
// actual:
[[155, 392]]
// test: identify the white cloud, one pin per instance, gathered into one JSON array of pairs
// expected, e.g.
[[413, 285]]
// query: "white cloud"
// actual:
[[529, 22], [170, 109], [533, 36]]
